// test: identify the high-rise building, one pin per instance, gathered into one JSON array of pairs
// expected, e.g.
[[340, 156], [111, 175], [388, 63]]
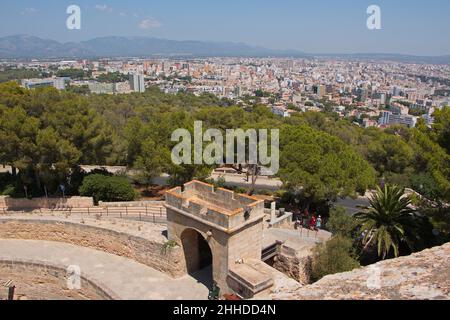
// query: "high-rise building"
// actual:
[[388, 118], [320, 90], [137, 82]]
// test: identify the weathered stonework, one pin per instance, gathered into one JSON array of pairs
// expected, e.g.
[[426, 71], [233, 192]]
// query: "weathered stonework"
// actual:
[[153, 253], [36, 281], [9, 203], [294, 264], [423, 275]]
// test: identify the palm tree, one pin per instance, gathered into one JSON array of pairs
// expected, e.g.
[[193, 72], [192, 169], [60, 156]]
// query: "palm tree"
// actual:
[[388, 221]]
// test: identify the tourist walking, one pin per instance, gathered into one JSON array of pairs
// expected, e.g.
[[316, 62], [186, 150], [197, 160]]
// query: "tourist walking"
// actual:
[[318, 225]]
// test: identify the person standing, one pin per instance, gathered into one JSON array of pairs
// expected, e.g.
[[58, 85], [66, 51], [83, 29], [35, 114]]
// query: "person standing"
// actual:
[[318, 225], [312, 223]]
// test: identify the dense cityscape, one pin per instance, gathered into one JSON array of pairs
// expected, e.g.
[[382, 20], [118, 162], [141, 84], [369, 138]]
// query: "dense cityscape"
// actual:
[[374, 93]]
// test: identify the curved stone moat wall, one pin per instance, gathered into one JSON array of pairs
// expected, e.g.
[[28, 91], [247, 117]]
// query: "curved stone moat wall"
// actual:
[[36, 281], [169, 260]]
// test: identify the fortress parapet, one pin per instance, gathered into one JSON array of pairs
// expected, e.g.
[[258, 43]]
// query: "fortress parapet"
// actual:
[[221, 207]]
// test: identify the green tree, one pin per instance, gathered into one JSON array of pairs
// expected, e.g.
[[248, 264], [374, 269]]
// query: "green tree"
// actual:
[[425, 184], [9, 74], [55, 158], [107, 188], [17, 137], [112, 77], [321, 166], [152, 161], [431, 157], [334, 256], [390, 154], [77, 74], [441, 127]]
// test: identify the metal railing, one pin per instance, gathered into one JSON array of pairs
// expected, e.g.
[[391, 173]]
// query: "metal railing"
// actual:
[[154, 214]]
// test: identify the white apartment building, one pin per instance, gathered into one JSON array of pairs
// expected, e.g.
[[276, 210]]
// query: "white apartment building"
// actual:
[[137, 83], [388, 118]]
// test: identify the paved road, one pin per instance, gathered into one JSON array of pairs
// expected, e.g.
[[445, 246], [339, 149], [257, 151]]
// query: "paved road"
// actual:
[[353, 205], [239, 180], [126, 278]]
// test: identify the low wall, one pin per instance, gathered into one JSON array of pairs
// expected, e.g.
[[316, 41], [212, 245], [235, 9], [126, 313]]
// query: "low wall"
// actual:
[[284, 221], [294, 264], [153, 254], [28, 277], [44, 203]]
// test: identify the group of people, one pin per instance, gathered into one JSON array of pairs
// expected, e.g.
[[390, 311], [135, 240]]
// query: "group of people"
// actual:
[[310, 222]]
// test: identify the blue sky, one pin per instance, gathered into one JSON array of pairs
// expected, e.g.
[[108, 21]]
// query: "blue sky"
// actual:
[[315, 26]]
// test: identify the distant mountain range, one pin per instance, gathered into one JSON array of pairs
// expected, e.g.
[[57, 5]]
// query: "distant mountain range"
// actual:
[[23, 46], [31, 47]]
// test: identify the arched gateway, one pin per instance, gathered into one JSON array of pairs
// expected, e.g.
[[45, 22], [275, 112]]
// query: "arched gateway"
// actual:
[[218, 227], [198, 256]]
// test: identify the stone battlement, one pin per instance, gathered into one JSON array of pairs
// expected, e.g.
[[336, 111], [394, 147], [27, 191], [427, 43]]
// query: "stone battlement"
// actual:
[[219, 206]]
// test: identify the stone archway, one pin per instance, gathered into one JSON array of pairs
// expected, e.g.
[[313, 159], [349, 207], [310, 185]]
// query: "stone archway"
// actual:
[[198, 255]]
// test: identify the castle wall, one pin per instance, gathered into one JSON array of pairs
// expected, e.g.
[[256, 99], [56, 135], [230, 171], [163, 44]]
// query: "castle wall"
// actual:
[[47, 203]]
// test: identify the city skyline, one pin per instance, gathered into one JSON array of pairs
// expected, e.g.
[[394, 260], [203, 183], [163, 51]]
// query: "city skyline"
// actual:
[[413, 27]]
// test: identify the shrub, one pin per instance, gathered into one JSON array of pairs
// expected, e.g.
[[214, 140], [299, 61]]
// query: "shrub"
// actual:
[[334, 256], [265, 192], [341, 223], [9, 191], [107, 188], [240, 190], [168, 245], [6, 180], [220, 183]]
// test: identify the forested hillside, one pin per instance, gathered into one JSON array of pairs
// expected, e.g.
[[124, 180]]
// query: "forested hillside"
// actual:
[[46, 134]]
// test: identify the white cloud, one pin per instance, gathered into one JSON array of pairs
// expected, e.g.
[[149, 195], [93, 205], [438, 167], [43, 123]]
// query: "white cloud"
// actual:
[[122, 14], [103, 7], [28, 11], [149, 23]]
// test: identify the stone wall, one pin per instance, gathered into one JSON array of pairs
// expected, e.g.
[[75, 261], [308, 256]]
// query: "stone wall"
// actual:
[[296, 265], [44, 203], [29, 277], [153, 254], [246, 244]]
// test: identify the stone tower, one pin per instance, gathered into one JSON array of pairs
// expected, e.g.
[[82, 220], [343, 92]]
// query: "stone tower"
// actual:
[[215, 227]]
